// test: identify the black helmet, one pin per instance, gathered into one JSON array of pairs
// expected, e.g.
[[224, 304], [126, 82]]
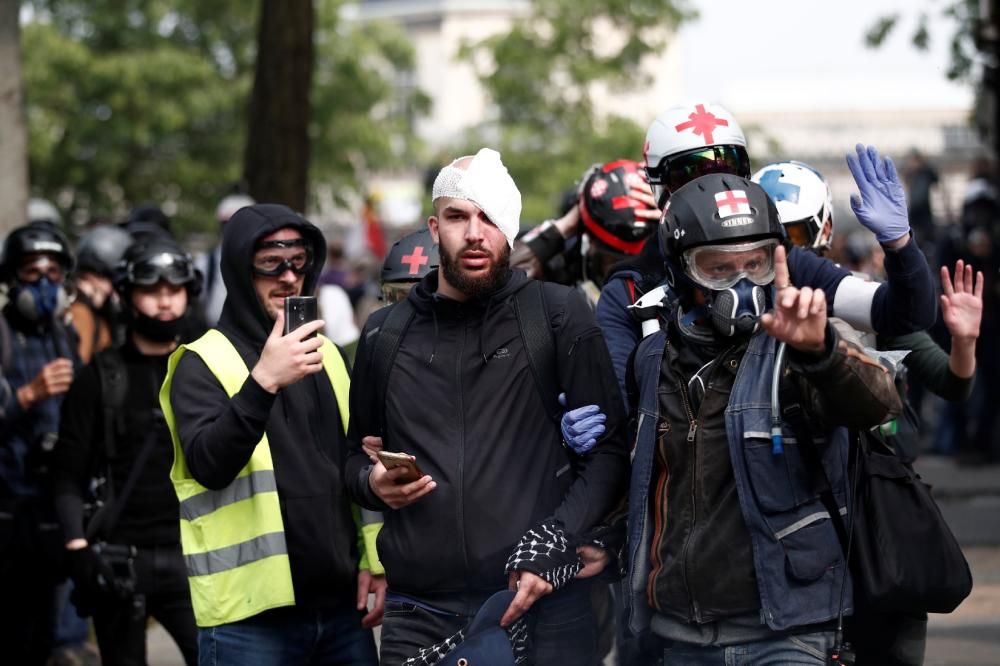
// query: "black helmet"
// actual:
[[148, 262], [608, 209], [411, 258], [32, 238], [101, 250], [717, 208]]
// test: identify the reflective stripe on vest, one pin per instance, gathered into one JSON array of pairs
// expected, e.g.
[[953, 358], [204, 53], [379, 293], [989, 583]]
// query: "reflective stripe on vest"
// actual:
[[233, 539]]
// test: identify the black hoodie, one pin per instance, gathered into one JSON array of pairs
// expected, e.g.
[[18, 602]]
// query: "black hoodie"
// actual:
[[462, 399], [302, 422]]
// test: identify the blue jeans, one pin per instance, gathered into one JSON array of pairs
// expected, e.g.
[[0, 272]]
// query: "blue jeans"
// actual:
[[563, 628], [811, 648], [290, 637]]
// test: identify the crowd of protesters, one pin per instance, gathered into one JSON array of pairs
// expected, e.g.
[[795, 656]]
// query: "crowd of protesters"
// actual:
[[505, 447]]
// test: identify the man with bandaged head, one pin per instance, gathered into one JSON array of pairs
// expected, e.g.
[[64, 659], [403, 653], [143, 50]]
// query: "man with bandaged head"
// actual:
[[464, 375]]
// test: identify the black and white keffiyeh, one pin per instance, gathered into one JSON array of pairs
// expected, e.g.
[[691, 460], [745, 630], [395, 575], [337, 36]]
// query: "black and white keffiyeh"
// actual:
[[546, 552]]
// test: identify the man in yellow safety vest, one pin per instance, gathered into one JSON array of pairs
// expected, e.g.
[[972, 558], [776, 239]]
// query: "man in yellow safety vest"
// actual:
[[279, 562]]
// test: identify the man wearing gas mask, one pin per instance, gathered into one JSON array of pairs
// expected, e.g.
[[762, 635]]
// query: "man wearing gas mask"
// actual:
[[730, 548], [38, 360]]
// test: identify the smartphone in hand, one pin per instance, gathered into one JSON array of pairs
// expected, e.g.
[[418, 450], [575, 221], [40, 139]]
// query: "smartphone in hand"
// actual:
[[392, 460], [299, 310]]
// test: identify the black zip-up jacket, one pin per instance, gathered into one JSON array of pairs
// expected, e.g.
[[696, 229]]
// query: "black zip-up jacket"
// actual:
[[149, 517], [462, 399], [302, 422]]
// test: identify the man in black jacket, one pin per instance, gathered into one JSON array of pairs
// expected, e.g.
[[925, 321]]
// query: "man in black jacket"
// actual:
[[503, 502], [112, 428], [259, 419]]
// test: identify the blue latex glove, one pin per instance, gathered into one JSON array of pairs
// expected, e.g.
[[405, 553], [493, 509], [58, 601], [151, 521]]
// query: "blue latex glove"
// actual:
[[582, 426], [882, 204]]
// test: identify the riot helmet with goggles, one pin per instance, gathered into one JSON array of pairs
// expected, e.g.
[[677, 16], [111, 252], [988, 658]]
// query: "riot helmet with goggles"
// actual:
[[693, 140], [718, 235], [275, 264], [148, 263], [804, 202]]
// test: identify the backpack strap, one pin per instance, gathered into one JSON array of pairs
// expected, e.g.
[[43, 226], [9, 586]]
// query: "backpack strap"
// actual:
[[6, 344], [539, 343], [113, 379], [390, 334]]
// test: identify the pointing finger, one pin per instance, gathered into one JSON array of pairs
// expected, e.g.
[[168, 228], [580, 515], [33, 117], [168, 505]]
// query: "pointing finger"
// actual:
[[781, 277]]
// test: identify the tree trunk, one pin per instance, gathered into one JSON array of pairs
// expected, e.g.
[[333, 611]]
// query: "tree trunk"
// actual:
[[277, 156], [13, 134]]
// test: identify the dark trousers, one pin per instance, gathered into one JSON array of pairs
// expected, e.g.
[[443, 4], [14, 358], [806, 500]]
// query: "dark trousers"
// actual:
[[31, 567], [162, 593], [563, 628]]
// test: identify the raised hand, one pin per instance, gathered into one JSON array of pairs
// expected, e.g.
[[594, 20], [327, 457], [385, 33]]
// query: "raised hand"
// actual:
[[881, 208], [286, 359], [642, 192], [799, 315], [962, 301]]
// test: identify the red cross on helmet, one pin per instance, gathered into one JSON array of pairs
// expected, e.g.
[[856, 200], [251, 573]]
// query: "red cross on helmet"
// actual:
[[692, 140], [411, 258]]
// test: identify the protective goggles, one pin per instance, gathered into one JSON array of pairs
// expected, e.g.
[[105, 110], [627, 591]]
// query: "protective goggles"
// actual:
[[274, 264], [801, 233], [176, 269], [719, 267], [674, 172]]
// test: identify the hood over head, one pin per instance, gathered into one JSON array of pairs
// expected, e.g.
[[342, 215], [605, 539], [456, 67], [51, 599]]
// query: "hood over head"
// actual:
[[243, 315]]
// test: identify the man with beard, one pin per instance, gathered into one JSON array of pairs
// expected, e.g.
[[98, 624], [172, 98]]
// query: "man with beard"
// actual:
[[453, 377], [277, 570]]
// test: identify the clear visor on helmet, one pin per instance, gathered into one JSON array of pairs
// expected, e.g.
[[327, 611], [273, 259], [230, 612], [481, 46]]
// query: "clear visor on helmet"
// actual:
[[719, 267], [174, 268], [673, 172]]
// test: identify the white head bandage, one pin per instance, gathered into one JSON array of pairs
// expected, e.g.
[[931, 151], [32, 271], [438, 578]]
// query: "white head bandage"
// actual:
[[486, 183]]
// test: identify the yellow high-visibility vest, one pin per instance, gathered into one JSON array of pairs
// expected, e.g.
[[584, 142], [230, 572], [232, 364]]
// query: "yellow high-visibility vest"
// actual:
[[233, 539]]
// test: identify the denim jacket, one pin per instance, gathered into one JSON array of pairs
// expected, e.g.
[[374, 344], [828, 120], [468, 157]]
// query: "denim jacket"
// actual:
[[798, 558]]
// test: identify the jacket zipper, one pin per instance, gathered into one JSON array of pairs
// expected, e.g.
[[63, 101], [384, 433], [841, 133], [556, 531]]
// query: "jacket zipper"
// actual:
[[659, 513], [461, 449], [691, 437]]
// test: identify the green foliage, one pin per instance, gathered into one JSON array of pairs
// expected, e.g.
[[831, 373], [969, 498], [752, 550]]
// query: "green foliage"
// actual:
[[136, 100], [540, 76], [108, 129], [962, 15]]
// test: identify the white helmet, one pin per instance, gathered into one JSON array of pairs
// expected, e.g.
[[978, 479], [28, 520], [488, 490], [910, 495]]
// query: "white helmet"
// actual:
[[692, 140], [43, 210], [804, 201], [230, 204]]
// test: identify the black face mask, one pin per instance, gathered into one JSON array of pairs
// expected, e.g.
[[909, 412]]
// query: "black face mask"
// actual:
[[157, 330]]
